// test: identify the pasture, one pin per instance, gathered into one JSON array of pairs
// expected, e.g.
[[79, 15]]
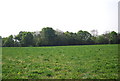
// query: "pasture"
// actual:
[[60, 62]]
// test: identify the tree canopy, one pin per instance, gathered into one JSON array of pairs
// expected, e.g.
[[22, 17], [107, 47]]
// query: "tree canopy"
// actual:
[[50, 37]]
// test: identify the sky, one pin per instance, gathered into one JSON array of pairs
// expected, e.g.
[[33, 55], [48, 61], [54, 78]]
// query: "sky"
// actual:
[[65, 15]]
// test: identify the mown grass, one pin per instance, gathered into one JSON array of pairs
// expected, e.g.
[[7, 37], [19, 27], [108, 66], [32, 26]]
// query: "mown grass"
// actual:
[[60, 62]]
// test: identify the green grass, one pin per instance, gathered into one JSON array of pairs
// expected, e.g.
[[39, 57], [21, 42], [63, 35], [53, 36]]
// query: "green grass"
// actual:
[[60, 62]]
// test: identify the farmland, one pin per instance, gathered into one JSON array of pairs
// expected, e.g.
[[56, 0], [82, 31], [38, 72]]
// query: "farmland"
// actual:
[[60, 62]]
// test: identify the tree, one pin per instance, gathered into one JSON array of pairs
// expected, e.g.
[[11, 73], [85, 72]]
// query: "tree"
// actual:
[[84, 37], [107, 37], [19, 36], [113, 37], [101, 40], [8, 42], [118, 37], [61, 38], [48, 36], [17, 44], [94, 33], [37, 40], [71, 38], [25, 38]]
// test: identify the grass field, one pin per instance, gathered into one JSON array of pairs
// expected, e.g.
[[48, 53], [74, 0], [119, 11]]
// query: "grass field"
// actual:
[[60, 62]]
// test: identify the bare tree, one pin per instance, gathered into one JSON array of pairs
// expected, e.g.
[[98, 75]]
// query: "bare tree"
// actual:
[[94, 32]]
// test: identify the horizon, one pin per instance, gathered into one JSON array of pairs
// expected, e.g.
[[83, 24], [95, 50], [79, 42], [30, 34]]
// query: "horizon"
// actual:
[[65, 15]]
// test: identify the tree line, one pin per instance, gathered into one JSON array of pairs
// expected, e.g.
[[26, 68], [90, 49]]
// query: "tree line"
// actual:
[[50, 37]]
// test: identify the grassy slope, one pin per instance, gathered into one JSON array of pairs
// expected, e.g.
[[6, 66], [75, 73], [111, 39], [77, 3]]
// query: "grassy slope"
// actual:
[[62, 62]]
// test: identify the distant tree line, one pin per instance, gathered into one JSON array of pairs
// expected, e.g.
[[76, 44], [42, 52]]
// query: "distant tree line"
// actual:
[[50, 37]]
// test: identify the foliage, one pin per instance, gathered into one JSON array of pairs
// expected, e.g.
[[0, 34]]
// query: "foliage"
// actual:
[[9, 42], [84, 37], [25, 38], [50, 37]]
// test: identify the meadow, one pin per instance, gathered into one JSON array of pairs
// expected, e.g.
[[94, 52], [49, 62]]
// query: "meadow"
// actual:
[[60, 62]]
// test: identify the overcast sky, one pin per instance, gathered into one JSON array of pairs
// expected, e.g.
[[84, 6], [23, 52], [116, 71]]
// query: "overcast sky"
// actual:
[[65, 15]]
